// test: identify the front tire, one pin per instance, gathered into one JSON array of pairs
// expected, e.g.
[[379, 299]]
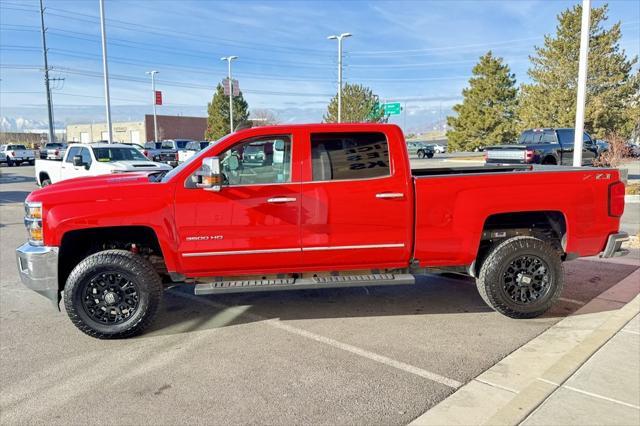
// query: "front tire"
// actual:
[[420, 154], [45, 182], [112, 294], [521, 277]]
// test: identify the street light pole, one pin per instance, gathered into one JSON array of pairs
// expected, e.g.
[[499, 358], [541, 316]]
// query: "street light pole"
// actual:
[[229, 59], [582, 83], [52, 134], [339, 38], [105, 72], [153, 89]]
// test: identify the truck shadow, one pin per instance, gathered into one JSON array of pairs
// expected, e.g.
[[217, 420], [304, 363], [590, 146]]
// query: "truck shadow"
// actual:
[[11, 197], [432, 295], [8, 177]]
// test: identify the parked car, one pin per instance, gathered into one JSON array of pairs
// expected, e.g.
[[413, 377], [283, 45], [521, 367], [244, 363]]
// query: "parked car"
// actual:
[[53, 151], [155, 152], [16, 154], [420, 149], [83, 160], [542, 146], [340, 207], [191, 149]]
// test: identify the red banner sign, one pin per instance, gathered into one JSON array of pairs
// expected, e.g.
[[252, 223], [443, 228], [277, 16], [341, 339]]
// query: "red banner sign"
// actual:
[[158, 97]]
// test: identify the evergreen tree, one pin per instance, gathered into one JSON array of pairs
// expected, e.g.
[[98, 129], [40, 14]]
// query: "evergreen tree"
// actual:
[[550, 100], [218, 110], [486, 115], [359, 105]]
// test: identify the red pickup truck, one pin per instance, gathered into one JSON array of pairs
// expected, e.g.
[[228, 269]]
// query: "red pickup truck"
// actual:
[[331, 205]]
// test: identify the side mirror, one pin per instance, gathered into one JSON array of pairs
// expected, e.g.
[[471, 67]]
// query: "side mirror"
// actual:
[[77, 161], [210, 174]]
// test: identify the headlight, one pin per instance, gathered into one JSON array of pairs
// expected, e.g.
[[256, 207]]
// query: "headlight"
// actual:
[[33, 222]]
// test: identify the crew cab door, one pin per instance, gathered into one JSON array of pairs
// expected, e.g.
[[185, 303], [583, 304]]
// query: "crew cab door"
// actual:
[[357, 201], [566, 138], [251, 226]]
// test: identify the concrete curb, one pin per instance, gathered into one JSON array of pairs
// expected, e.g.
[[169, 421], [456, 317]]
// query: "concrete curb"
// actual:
[[513, 388], [632, 198]]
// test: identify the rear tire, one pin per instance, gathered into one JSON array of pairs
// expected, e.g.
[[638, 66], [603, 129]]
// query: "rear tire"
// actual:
[[112, 294], [45, 182], [521, 277], [32, 162], [430, 155]]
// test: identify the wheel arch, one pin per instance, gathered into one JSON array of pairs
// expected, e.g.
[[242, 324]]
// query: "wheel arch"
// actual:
[[548, 225], [75, 245]]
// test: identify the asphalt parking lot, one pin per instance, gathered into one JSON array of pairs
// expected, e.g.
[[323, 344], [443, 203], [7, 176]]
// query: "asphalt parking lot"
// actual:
[[338, 356]]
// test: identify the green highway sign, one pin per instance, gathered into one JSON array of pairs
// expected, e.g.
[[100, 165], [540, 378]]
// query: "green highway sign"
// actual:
[[392, 108]]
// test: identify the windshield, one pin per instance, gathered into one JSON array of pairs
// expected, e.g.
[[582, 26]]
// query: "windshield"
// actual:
[[107, 155], [177, 144], [172, 173], [253, 149], [17, 147]]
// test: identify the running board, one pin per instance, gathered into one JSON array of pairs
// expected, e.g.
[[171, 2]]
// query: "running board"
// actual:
[[279, 284]]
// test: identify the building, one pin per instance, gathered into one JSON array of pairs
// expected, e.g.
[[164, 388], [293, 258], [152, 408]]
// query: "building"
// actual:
[[169, 127]]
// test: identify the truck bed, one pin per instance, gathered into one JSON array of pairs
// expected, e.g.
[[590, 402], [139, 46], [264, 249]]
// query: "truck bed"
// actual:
[[452, 205], [439, 171]]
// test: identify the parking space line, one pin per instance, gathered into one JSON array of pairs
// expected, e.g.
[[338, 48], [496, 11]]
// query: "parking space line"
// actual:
[[331, 342], [572, 301]]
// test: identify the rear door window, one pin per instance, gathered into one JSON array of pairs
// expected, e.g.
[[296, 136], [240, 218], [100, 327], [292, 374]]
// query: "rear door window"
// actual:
[[349, 155], [565, 136]]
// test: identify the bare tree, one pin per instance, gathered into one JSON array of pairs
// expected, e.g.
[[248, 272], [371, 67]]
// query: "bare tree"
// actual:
[[263, 117], [617, 152]]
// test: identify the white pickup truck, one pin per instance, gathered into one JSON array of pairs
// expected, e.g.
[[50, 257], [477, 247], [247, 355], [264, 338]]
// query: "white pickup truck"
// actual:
[[92, 160], [16, 154]]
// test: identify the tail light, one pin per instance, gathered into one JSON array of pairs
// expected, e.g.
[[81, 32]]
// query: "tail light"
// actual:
[[13, 153], [485, 155], [56, 152], [145, 153], [528, 157], [616, 199]]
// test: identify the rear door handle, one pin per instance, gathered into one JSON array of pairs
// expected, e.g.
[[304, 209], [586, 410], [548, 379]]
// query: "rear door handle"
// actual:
[[281, 200], [386, 195]]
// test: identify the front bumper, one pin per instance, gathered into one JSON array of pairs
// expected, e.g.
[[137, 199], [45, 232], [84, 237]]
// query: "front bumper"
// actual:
[[614, 245], [38, 268]]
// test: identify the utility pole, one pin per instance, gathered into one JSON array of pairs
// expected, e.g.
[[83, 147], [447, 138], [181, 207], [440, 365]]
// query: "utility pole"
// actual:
[[153, 89], [339, 38], [229, 59], [105, 72], [582, 83], [52, 135]]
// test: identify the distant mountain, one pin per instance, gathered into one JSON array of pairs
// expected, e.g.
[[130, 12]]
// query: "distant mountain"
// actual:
[[22, 119], [21, 124]]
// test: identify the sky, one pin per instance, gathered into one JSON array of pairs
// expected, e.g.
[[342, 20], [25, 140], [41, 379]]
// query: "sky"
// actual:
[[417, 52]]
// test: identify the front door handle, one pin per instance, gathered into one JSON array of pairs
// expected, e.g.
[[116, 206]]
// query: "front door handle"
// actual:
[[281, 200], [387, 195]]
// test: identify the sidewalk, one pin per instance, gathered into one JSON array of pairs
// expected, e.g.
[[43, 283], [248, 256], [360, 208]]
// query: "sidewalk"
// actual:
[[585, 370], [605, 390]]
